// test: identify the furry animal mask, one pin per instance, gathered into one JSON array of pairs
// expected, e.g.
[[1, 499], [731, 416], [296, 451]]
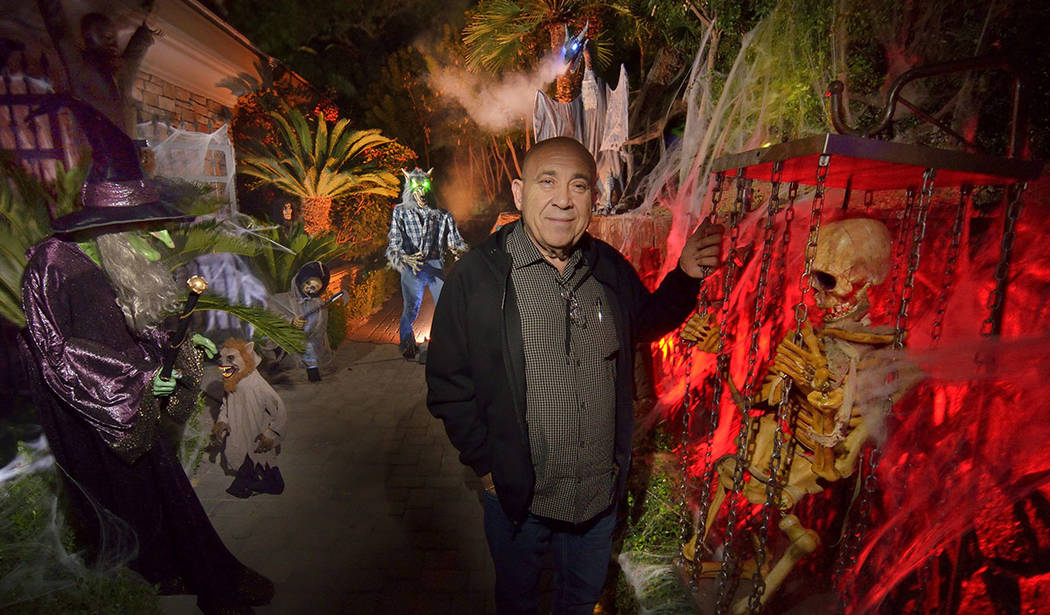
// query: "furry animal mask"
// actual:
[[237, 359]]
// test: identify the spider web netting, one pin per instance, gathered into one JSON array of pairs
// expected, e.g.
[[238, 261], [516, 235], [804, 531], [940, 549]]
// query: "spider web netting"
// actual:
[[198, 157], [208, 158]]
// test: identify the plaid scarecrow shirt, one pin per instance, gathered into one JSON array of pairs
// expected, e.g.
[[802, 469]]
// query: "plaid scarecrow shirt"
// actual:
[[424, 231]]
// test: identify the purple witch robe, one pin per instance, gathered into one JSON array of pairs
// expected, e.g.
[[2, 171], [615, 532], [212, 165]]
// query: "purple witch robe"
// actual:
[[91, 380]]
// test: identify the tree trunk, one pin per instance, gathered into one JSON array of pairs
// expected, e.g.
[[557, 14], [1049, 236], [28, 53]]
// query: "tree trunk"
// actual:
[[315, 214]]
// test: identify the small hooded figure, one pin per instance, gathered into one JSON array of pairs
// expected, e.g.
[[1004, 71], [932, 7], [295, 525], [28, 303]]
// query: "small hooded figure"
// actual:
[[252, 419], [304, 306]]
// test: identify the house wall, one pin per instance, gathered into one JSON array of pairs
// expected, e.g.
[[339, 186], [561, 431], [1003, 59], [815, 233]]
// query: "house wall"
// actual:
[[158, 100]]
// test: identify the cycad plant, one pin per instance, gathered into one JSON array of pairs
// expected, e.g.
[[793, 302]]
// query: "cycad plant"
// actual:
[[277, 268], [24, 220], [319, 165], [511, 34]]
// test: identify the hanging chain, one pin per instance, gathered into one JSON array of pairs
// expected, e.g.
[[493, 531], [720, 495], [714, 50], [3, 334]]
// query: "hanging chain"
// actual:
[[992, 324], [901, 242], [918, 234], [759, 587], [801, 313], [702, 306], [785, 411], [782, 259], [869, 472], [724, 582], [948, 278], [687, 428]]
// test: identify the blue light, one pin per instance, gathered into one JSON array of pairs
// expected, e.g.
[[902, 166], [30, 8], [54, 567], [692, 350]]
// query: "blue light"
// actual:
[[575, 45]]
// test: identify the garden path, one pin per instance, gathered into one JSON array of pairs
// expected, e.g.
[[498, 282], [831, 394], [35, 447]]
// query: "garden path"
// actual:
[[383, 326], [378, 515]]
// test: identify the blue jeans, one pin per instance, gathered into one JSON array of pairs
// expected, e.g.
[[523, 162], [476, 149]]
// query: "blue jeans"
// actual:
[[412, 284], [580, 552]]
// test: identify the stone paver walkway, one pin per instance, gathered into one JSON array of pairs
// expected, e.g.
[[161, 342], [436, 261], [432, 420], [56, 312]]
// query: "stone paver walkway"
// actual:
[[378, 515]]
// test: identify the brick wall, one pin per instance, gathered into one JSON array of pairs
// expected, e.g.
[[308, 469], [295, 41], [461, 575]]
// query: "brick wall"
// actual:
[[157, 99]]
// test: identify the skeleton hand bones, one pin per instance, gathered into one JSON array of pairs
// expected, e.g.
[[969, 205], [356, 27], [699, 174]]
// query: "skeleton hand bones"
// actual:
[[702, 330], [414, 261], [807, 367]]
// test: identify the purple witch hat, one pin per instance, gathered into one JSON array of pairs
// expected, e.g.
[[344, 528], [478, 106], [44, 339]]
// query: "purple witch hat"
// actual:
[[115, 191]]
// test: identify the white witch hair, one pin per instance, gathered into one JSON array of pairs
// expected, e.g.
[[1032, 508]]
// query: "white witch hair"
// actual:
[[145, 290]]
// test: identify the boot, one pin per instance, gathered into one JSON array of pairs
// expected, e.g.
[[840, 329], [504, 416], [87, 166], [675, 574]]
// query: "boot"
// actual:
[[246, 476], [409, 349], [268, 480], [274, 480]]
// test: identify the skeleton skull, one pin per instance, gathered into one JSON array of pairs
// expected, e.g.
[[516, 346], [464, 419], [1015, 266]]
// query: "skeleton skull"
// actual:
[[852, 256]]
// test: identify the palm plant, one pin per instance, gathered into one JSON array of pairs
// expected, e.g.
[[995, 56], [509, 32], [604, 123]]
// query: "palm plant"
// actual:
[[501, 34], [207, 238], [319, 165], [276, 268], [24, 203]]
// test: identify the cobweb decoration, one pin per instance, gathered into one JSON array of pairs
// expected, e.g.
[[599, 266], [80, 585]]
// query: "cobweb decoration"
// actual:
[[197, 157]]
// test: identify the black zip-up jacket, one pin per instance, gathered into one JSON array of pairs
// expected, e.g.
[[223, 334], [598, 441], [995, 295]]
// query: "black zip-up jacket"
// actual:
[[476, 360]]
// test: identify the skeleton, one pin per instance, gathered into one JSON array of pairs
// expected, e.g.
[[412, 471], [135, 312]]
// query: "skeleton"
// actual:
[[832, 420]]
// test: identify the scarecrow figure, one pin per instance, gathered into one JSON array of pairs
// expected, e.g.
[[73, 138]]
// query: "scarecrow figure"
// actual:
[[419, 235]]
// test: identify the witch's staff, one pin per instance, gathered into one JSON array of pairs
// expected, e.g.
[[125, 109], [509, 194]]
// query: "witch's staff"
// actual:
[[197, 286]]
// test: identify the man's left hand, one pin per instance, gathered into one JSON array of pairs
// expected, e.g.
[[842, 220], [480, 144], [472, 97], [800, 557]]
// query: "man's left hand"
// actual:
[[204, 344], [702, 252]]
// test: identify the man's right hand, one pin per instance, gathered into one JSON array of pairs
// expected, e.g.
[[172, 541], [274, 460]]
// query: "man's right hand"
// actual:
[[487, 484], [219, 430], [162, 387]]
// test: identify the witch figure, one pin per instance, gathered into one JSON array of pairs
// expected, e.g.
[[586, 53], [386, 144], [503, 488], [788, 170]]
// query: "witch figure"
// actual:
[[95, 300]]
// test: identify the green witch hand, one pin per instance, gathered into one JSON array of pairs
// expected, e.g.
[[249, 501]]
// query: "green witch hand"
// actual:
[[204, 344], [162, 387]]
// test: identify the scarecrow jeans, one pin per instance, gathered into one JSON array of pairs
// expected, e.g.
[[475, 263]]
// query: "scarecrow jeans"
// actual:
[[431, 275]]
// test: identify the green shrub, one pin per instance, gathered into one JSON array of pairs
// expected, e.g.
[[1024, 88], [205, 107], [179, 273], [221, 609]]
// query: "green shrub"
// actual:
[[369, 292], [40, 570], [336, 324]]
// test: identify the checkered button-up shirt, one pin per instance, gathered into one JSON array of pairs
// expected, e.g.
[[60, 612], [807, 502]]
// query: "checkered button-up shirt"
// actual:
[[570, 347], [421, 230]]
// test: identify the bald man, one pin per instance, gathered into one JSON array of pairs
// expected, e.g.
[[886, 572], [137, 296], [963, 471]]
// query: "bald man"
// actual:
[[530, 368]]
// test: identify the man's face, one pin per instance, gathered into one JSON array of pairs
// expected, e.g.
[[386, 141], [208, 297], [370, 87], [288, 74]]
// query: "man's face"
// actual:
[[101, 36], [555, 197]]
